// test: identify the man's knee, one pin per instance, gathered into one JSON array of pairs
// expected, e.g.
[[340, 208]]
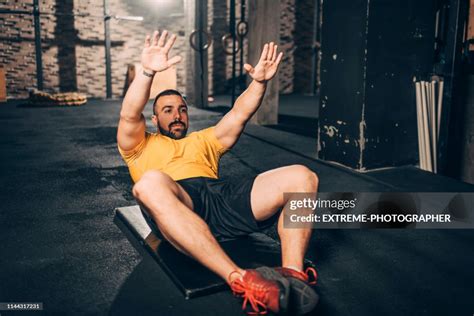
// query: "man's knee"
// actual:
[[152, 182], [303, 179]]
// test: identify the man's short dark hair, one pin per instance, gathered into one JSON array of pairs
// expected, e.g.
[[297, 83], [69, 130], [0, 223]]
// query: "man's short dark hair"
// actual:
[[165, 93]]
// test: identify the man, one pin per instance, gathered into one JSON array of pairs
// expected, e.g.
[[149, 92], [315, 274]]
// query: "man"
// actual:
[[176, 182]]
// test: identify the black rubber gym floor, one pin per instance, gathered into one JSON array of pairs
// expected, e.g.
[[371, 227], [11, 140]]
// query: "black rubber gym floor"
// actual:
[[62, 177]]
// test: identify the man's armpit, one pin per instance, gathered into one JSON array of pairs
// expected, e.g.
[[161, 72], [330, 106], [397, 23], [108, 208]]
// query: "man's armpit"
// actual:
[[134, 152], [209, 135]]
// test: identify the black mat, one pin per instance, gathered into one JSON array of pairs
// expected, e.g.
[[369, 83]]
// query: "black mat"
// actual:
[[191, 278]]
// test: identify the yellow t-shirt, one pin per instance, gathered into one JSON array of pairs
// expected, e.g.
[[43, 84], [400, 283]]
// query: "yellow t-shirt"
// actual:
[[196, 155]]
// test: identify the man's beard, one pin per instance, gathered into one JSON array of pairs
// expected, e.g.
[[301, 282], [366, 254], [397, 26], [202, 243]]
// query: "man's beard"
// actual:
[[171, 134]]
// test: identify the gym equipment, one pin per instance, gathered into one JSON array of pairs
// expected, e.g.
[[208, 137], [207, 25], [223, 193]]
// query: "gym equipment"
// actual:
[[41, 98], [242, 26], [429, 104], [200, 41], [191, 278], [230, 50], [232, 43], [194, 45], [236, 35], [200, 45]]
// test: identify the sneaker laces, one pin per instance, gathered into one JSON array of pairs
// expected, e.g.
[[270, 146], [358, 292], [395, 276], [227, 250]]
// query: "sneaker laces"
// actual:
[[252, 296], [314, 275], [306, 275]]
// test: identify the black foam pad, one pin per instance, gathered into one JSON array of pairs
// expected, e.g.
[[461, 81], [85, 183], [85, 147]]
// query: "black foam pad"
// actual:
[[191, 277]]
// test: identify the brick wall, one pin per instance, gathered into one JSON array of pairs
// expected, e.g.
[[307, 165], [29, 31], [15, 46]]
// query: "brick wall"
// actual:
[[73, 47], [17, 50], [303, 51]]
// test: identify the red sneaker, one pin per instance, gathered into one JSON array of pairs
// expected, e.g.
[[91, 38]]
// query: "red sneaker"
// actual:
[[261, 293], [300, 275], [303, 298]]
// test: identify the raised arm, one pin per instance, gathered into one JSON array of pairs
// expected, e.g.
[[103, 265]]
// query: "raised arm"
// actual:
[[230, 127], [154, 58]]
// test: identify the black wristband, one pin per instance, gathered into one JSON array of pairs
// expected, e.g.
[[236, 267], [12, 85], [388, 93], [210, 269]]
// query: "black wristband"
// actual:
[[149, 75]]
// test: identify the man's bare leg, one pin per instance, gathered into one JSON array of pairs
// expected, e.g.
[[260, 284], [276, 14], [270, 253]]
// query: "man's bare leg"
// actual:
[[171, 208], [267, 198]]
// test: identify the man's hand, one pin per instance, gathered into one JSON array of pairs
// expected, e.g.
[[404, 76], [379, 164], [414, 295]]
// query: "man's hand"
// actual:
[[132, 127], [267, 65], [230, 127], [155, 52]]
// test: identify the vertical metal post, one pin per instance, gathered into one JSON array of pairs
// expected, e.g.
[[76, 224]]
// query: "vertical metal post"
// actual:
[[314, 68], [232, 33], [241, 68], [201, 25], [197, 82], [108, 63], [38, 50]]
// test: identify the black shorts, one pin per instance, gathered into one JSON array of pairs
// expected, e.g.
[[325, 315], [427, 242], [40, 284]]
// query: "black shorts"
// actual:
[[224, 204]]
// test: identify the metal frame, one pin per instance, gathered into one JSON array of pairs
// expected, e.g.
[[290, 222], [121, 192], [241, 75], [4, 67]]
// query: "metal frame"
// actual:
[[108, 58], [38, 51], [234, 59]]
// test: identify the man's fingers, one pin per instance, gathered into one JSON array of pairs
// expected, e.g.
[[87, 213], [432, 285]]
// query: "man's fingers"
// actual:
[[155, 37], [147, 41], [270, 51], [277, 62], [248, 68], [162, 40], [264, 53], [274, 54], [174, 60], [170, 43]]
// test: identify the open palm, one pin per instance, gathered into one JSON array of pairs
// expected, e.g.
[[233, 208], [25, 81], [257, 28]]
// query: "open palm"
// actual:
[[267, 66], [155, 52]]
